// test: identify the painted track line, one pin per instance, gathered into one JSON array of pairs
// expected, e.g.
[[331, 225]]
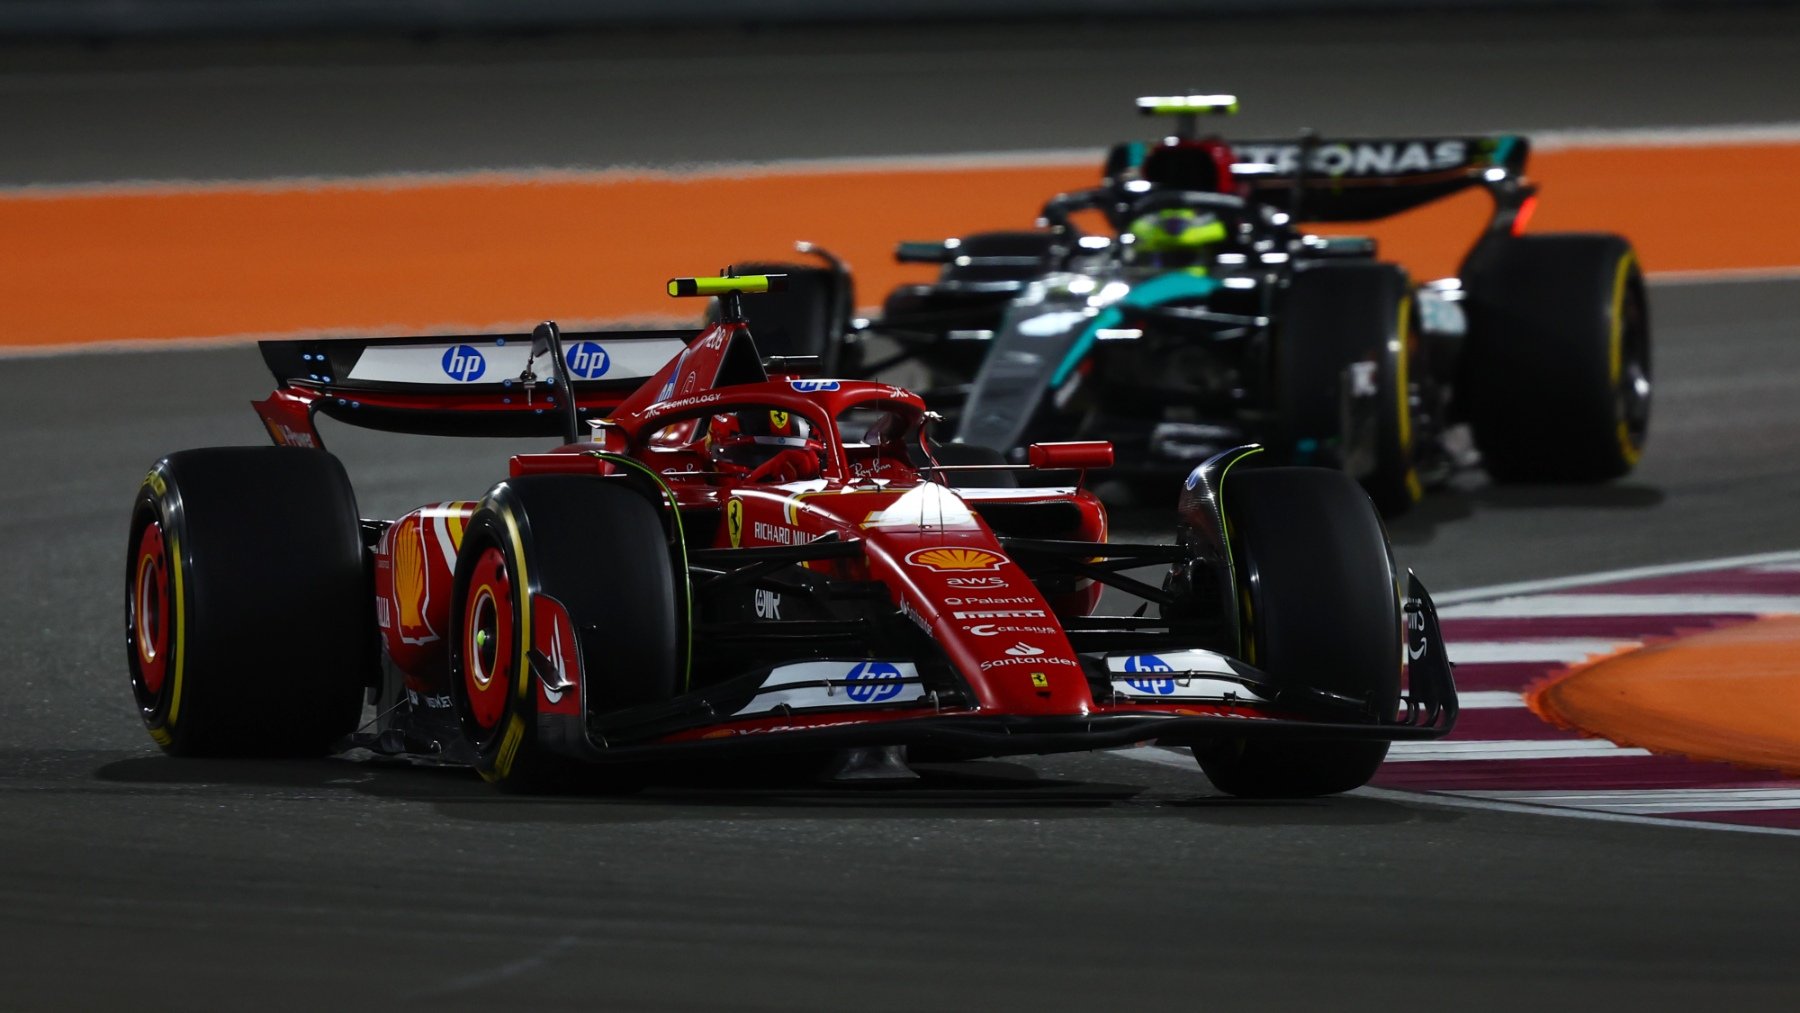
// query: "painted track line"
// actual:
[[1504, 758], [1585, 605], [1490, 700], [1565, 650], [1504, 749], [1180, 760]]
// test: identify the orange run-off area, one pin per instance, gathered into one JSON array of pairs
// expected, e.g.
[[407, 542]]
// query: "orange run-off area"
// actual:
[[1731, 695], [440, 254]]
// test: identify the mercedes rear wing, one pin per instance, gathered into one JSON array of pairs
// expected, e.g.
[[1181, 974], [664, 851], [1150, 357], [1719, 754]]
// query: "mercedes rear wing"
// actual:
[[456, 385], [1362, 179]]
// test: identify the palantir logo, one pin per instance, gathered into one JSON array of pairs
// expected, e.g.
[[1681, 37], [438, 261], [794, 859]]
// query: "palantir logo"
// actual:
[[587, 360], [1145, 664], [464, 363], [866, 692]]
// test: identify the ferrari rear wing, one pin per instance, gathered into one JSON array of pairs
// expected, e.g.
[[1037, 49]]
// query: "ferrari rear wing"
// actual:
[[456, 385], [1362, 179]]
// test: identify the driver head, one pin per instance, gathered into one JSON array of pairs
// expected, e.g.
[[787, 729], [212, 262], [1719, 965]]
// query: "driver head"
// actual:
[[1175, 238], [752, 436]]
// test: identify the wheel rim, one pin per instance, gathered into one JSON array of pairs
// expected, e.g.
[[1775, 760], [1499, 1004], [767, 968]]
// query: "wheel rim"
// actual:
[[148, 622], [487, 640]]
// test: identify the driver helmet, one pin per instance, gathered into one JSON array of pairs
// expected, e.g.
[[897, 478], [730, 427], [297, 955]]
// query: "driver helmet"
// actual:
[[1175, 238], [750, 437]]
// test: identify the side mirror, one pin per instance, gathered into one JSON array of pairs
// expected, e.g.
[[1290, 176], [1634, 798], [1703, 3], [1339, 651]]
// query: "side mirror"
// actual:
[[1074, 455]]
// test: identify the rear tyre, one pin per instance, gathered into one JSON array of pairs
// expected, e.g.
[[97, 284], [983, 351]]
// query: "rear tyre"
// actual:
[[1555, 374], [1347, 331], [599, 549], [1320, 610], [249, 610]]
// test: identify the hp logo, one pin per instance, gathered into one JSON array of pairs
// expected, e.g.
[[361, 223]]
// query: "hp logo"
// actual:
[[876, 693], [464, 364], [1146, 664], [587, 360]]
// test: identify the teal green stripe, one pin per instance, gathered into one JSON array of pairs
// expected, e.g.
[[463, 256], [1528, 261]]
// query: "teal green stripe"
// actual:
[[1158, 290]]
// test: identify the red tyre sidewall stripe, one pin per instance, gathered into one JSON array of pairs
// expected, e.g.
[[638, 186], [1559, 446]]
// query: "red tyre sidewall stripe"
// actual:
[[489, 586], [150, 609]]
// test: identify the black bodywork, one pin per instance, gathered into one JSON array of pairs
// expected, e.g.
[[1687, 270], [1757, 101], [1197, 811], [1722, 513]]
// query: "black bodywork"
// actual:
[[1179, 371]]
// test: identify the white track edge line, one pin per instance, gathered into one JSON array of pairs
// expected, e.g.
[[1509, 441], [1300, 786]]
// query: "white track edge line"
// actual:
[[1527, 809], [1163, 757], [1578, 139], [1609, 576]]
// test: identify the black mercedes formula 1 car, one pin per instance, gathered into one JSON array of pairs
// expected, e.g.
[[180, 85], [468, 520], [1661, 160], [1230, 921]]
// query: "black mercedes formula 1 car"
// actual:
[[722, 558], [1180, 308]]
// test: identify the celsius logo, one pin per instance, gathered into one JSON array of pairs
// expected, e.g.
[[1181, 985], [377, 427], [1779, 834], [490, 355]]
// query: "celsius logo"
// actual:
[[1024, 650], [864, 692], [1145, 664], [464, 364], [587, 360], [813, 386]]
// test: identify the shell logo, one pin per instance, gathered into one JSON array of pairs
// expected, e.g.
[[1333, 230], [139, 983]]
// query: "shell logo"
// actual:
[[947, 559]]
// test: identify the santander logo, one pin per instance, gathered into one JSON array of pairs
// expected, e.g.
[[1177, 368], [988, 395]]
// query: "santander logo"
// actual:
[[1024, 650]]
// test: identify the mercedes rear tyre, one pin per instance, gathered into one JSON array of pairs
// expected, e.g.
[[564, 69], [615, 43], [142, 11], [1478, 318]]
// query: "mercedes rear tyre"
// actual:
[[1555, 374], [1320, 611], [249, 608], [592, 550], [1344, 352]]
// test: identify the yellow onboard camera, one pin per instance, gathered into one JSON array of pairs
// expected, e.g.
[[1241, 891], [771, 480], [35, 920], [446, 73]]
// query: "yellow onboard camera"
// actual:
[[740, 284]]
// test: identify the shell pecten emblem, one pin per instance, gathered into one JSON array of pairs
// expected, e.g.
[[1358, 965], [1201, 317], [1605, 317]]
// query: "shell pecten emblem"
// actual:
[[947, 559]]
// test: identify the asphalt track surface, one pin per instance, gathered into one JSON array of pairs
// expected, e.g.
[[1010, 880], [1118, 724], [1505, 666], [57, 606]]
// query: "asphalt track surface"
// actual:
[[129, 879]]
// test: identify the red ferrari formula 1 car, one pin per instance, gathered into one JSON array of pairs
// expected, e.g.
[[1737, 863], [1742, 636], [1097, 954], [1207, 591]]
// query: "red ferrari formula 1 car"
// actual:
[[725, 557]]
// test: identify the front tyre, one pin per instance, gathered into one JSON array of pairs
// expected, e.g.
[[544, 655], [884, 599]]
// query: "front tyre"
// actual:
[[249, 612], [1320, 611], [1555, 375], [597, 550]]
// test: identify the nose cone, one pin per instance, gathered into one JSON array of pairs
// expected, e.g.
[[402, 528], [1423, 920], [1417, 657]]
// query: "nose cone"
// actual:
[[949, 571]]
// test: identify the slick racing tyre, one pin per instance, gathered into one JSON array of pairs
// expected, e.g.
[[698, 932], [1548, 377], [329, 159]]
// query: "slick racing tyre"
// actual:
[[1320, 610], [811, 317], [249, 609], [1345, 350], [596, 549], [1555, 374]]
